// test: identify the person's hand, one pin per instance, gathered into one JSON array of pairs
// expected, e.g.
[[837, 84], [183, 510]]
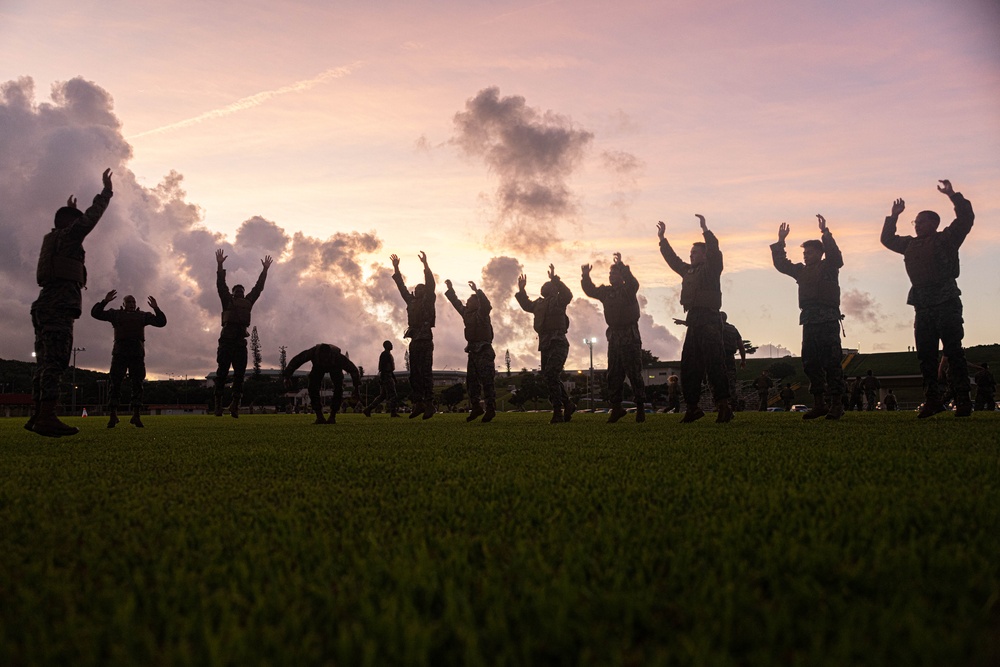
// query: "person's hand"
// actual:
[[106, 178], [472, 286], [945, 187], [152, 303], [898, 207], [71, 202], [661, 229], [682, 323], [701, 221], [422, 256], [552, 272], [522, 281], [616, 258], [395, 261], [586, 268], [783, 230], [447, 283], [220, 257], [110, 296], [822, 223], [743, 363], [266, 262]]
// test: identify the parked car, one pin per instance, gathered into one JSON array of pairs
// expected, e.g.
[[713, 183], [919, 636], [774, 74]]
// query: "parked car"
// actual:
[[799, 408]]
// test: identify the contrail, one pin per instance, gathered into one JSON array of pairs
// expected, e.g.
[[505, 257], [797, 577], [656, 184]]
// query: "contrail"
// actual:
[[253, 100]]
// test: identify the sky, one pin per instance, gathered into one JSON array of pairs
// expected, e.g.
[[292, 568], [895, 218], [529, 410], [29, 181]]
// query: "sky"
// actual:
[[499, 138]]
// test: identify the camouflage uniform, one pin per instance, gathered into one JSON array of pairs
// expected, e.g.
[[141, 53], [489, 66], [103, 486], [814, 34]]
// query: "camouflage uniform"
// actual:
[[889, 402], [732, 343], [325, 358], [870, 385], [857, 391], [787, 397], [551, 324], [701, 296], [481, 368], [420, 319], [129, 351], [232, 349], [763, 386], [621, 312], [819, 302], [386, 382], [61, 275], [986, 386], [932, 265]]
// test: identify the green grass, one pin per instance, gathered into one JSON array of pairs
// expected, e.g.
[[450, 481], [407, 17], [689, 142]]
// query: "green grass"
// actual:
[[270, 540]]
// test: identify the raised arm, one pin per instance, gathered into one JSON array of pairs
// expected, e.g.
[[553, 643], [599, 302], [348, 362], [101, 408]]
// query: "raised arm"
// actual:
[[521, 296], [156, 318], [259, 285], [831, 250], [397, 278], [98, 312], [778, 255], [484, 302], [678, 265], [964, 215], [428, 274], [587, 283], [86, 223], [220, 277], [889, 238], [299, 359], [713, 254], [453, 298]]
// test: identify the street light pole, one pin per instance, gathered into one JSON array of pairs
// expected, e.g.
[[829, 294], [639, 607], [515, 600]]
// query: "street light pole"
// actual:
[[589, 342], [75, 350]]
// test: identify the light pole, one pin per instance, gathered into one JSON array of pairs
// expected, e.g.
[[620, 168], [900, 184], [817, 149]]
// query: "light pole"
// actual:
[[589, 342], [75, 350]]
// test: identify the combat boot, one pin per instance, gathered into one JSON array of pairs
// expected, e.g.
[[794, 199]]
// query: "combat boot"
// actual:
[[367, 412], [417, 409], [640, 412], [136, 418], [963, 405], [568, 410], [491, 411], [477, 410], [30, 424], [393, 412], [234, 406], [692, 415], [819, 408], [48, 424], [725, 412], [113, 417], [617, 412], [319, 417], [836, 409], [429, 409], [931, 407], [557, 416], [218, 405]]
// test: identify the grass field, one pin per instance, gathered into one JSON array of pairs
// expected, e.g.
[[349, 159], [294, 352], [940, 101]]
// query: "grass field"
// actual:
[[269, 540]]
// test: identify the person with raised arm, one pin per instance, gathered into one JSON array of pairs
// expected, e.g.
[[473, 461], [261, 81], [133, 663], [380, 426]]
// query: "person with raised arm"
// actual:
[[481, 369], [420, 316]]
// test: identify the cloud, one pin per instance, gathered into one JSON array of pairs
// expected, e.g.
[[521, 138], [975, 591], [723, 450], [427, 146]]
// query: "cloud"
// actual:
[[862, 306], [533, 154]]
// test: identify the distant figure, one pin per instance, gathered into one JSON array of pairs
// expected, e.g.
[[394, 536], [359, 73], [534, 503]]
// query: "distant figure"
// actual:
[[787, 396], [129, 352], [986, 387], [551, 324], [870, 385], [420, 316], [386, 382], [932, 264], [232, 349], [325, 359], [621, 312], [673, 394], [818, 278], [62, 275], [481, 369], [857, 391], [763, 385], [701, 297], [889, 402], [732, 343]]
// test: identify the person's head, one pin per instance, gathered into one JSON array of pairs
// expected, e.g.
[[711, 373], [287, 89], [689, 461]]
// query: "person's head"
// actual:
[[419, 290], [387, 345], [812, 252], [325, 353], [725, 318], [926, 223], [869, 372], [985, 365], [615, 275], [66, 216], [697, 253], [888, 391], [238, 291], [549, 289], [472, 303], [128, 303]]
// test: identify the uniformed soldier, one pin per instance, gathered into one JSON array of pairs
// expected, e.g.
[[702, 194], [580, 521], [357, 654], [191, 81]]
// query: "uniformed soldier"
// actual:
[[129, 352], [931, 260], [481, 369], [420, 316], [386, 382], [986, 387], [870, 385], [232, 350], [61, 274], [551, 324], [763, 386], [787, 396], [701, 297], [818, 278], [857, 391], [889, 402], [325, 358], [621, 312], [673, 394], [732, 343]]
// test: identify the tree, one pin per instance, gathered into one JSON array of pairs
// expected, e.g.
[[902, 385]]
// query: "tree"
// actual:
[[453, 395], [406, 360], [255, 350], [506, 359], [780, 370], [749, 347], [283, 358], [648, 358]]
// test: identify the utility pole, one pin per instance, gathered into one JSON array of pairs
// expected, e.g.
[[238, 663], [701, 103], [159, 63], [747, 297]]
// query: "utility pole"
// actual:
[[589, 342]]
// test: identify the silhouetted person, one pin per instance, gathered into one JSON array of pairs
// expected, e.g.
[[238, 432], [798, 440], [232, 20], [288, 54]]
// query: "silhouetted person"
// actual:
[[787, 396], [763, 385], [986, 387], [481, 369], [61, 274], [732, 343], [420, 317], [701, 297], [129, 352], [818, 278], [386, 382], [857, 391], [889, 402], [673, 394], [325, 358], [932, 264], [232, 350], [551, 324], [870, 385], [621, 312]]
